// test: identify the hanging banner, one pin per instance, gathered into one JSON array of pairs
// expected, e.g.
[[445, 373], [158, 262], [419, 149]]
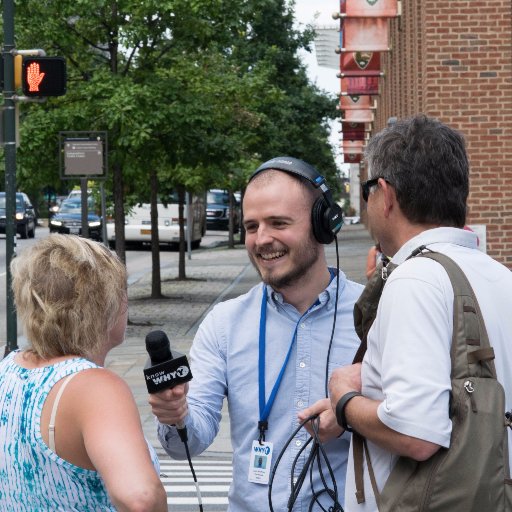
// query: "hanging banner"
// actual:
[[356, 127], [359, 116], [365, 34], [370, 8], [352, 158], [352, 146], [361, 85], [355, 131], [356, 102], [360, 64]]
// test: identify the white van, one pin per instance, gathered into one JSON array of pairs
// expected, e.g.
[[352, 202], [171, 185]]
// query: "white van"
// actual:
[[137, 227]]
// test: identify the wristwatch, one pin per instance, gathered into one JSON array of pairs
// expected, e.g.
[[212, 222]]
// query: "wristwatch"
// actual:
[[340, 409]]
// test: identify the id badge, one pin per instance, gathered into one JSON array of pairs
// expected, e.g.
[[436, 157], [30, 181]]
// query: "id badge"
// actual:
[[260, 462]]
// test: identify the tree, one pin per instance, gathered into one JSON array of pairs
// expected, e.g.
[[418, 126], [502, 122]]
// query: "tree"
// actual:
[[190, 91]]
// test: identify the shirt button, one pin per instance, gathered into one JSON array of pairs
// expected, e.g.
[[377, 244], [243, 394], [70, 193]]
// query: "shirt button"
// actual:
[[300, 403], [298, 443], [303, 325], [302, 364]]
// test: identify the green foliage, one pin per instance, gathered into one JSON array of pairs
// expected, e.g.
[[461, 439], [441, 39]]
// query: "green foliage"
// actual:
[[202, 91]]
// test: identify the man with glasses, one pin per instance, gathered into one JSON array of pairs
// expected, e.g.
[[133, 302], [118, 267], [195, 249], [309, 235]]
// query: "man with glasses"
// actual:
[[398, 398]]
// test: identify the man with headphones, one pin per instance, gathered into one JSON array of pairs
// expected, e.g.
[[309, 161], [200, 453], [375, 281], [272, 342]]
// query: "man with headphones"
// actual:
[[270, 351]]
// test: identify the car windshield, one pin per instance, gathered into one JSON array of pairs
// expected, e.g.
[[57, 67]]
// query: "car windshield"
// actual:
[[19, 202], [75, 206], [217, 197]]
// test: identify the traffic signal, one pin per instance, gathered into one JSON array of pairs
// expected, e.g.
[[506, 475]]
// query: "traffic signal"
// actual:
[[43, 76]]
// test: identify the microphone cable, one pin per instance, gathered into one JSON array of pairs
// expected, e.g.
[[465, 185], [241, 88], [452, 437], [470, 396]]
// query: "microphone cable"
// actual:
[[182, 432], [317, 453]]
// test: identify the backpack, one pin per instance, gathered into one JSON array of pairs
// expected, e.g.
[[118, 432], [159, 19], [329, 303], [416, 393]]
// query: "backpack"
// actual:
[[472, 475]]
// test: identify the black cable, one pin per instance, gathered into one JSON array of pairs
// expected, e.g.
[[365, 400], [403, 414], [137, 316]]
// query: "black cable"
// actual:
[[317, 452], [334, 318], [182, 432]]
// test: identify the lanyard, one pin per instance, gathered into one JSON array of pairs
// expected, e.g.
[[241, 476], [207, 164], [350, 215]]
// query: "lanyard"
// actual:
[[266, 407]]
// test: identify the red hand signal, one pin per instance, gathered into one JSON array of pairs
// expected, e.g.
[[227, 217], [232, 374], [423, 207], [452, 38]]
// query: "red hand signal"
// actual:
[[34, 78]]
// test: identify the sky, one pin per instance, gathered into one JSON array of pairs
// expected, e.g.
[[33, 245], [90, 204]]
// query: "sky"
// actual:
[[319, 12]]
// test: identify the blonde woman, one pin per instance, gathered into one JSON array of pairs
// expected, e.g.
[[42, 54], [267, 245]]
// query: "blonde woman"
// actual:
[[70, 433]]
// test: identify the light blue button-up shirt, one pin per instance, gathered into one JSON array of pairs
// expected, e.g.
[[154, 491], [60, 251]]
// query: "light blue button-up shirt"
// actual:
[[224, 362]]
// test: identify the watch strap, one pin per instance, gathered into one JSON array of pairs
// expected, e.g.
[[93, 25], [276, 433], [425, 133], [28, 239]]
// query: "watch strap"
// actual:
[[340, 409]]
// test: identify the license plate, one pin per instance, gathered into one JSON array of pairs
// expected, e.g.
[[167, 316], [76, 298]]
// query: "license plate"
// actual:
[[74, 231], [145, 231]]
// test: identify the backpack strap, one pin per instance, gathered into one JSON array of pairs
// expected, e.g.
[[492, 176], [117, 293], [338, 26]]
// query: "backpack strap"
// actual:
[[365, 311], [471, 353]]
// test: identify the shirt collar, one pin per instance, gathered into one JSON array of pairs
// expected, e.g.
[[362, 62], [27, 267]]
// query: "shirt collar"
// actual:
[[275, 298], [428, 237]]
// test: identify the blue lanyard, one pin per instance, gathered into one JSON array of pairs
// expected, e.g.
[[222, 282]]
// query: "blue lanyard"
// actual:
[[266, 407]]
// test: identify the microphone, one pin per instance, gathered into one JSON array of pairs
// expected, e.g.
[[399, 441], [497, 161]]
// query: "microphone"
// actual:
[[163, 370]]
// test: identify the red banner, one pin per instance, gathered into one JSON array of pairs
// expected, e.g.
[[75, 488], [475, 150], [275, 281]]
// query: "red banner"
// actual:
[[365, 34], [370, 8], [352, 146], [356, 102], [354, 131], [361, 85], [355, 127], [360, 64], [352, 158], [359, 116]]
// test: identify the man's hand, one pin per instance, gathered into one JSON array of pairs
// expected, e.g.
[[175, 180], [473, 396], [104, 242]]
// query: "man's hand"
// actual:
[[343, 380], [170, 406], [329, 429]]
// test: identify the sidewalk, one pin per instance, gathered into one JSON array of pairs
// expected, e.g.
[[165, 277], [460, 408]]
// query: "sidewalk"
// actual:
[[214, 274]]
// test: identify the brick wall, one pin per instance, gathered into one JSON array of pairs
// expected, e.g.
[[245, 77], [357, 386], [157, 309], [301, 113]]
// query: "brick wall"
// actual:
[[452, 60]]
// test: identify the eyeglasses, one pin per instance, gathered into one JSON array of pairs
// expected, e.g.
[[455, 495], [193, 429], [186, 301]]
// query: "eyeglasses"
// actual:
[[368, 184]]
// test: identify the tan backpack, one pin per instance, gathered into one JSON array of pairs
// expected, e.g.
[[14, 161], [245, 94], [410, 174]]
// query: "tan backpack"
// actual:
[[472, 475]]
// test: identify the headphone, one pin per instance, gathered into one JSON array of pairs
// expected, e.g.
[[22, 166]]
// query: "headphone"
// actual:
[[326, 215]]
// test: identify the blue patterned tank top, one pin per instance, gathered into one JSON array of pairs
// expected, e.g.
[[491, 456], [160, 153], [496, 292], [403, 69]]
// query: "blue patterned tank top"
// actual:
[[33, 478]]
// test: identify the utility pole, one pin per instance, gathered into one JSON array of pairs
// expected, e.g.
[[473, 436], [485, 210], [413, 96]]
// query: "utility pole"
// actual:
[[9, 120]]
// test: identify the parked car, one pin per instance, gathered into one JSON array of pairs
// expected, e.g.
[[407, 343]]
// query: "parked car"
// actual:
[[68, 220], [217, 210], [137, 229], [352, 220], [26, 219]]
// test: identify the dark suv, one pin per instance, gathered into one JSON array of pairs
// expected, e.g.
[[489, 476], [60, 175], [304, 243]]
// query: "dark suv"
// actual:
[[26, 220], [217, 210]]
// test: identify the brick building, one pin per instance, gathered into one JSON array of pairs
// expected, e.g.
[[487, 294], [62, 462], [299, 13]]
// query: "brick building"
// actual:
[[452, 59]]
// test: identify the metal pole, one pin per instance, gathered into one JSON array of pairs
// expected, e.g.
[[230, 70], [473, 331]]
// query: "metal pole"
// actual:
[[10, 170]]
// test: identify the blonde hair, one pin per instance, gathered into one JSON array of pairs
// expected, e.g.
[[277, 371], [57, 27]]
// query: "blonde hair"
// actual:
[[68, 293]]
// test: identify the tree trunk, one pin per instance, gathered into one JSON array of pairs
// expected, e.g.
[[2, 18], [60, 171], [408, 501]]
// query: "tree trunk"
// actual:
[[119, 211], [231, 227], [181, 201], [242, 229], [156, 282]]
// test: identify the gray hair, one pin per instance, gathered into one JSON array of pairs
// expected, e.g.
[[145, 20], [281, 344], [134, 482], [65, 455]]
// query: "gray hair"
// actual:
[[427, 164]]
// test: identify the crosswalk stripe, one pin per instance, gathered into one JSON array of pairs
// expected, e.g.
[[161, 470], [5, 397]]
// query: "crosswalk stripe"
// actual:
[[191, 488], [214, 478], [193, 501], [206, 480]]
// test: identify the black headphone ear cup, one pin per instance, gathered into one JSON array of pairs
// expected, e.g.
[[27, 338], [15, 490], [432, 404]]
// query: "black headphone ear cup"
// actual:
[[320, 222]]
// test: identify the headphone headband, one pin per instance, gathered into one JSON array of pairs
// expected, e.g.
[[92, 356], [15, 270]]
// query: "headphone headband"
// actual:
[[292, 166]]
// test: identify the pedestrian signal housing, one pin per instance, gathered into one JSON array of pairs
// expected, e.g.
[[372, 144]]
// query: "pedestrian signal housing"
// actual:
[[43, 76]]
